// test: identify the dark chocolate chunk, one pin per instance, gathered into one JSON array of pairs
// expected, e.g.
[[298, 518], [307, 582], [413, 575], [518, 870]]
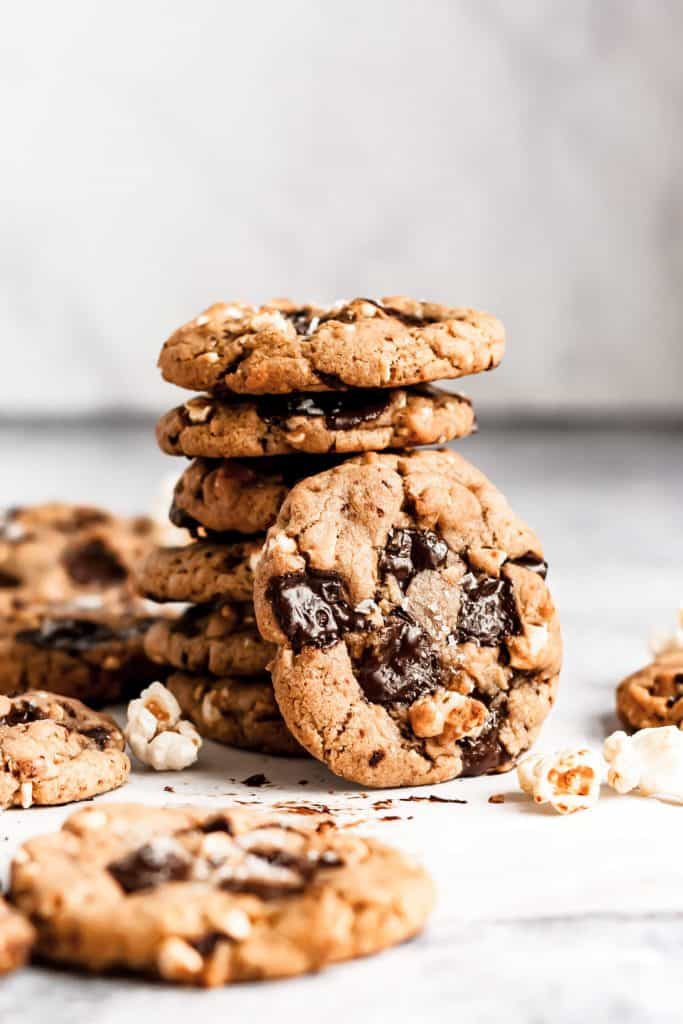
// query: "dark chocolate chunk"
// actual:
[[484, 753], [218, 823], [149, 866], [488, 613], [99, 734], [71, 635], [93, 562], [411, 551], [403, 665], [533, 563], [255, 780], [206, 944], [22, 713], [311, 608], [192, 622], [340, 410], [8, 580], [376, 757]]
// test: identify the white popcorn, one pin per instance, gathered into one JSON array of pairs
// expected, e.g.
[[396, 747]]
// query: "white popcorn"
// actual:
[[664, 640], [157, 734], [568, 780], [650, 761]]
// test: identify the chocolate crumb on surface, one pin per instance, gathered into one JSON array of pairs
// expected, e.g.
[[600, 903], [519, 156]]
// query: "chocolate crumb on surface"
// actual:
[[259, 779], [497, 798]]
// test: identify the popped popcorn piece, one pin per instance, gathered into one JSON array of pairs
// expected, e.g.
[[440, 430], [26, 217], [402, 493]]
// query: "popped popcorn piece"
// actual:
[[568, 780], [650, 761], [664, 640], [157, 734]]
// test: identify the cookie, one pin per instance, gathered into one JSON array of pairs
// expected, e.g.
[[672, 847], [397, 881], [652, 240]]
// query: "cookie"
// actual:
[[237, 711], [206, 898], [54, 750], [220, 638], [94, 656], [281, 348], [654, 695], [238, 496], [417, 639], [342, 421], [16, 938], [200, 572]]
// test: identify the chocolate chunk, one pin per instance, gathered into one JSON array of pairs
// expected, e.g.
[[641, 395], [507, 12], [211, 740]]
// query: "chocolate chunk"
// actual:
[[22, 713], [485, 753], [93, 562], [533, 563], [376, 757], [149, 866], [488, 613], [206, 944], [218, 823], [192, 622], [71, 635], [311, 608], [340, 410], [99, 734], [403, 665], [8, 580], [255, 780], [411, 551], [303, 320]]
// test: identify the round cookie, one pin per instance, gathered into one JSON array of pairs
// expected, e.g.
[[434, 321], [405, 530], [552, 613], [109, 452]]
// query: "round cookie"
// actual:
[[219, 638], [238, 496], [94, 656], [54, 750], [654, 695], [16, 938], [342, 422], [417, 639], [236, 711], [201, 572], [207, 898], [282, 347]]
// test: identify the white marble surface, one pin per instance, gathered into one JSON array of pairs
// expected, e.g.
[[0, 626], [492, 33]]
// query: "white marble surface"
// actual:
[[540, 918]]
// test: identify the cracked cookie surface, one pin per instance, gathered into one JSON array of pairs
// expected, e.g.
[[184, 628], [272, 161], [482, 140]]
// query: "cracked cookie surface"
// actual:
[[207, 897], [653, 696], [16, 938], [200, 572], [417, 639], [342, 422], [282, 347], [54, 750]]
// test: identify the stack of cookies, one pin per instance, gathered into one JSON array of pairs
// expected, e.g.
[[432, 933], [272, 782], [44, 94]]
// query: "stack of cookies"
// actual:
[[401, 605]]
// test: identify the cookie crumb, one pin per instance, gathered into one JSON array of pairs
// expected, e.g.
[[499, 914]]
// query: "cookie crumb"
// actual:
[[497, 798], [169, 789]]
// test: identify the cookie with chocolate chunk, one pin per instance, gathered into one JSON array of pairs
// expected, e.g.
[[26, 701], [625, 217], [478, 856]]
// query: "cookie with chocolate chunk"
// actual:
[[416, 638], [233, 710], [16, 938], [654, 695], [54, 750], [282, 347], [220, 638], [200, 572], [207, 897], [343, 421]]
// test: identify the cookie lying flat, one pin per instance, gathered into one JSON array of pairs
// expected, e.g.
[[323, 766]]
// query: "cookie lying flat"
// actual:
[[206, 898], [654, 695], [242, 496], [280, 347], [54, 750], [16, 938], [201, 572], [219, 638], [342, 421], [417, 640], [236, 711], [97, 656]]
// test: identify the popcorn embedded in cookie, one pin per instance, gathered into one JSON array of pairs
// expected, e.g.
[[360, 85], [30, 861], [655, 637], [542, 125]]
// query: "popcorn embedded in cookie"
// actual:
[[568, 780], [664, 640], [157, 734], [650, 761]]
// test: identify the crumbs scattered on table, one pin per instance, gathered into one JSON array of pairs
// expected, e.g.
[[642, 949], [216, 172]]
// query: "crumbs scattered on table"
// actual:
[[169, 789], [431, 799], [383, 805], [391, 817], [497, 798], [256, 780]]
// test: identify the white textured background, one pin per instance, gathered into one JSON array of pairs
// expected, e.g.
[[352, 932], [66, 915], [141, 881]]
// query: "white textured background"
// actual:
[[526, 157]]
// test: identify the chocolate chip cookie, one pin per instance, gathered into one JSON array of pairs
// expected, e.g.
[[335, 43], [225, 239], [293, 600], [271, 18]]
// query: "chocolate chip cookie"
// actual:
[[54, 750], [16, 938], [417, 639], [220, 638], [207, 898], [343, 421], [281, 347], [200, 572], [237, 711], [654, 695]]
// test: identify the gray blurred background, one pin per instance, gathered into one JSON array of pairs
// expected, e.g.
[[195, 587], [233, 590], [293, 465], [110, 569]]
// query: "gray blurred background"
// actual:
[[523, 157]]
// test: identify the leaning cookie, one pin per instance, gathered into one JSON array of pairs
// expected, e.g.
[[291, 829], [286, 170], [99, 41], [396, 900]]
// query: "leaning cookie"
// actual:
[[343, 422], [54, 750], [202, 897], [16, 938], [236, 711], [282, 347], [220, 638], [653, 696], [201, 572], [417, 639]]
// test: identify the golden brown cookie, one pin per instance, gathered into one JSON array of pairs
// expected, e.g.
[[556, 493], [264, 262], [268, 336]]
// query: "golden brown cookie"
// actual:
[[281, 347], [16, 938], [654, 695], [200, 572], [206, 898]]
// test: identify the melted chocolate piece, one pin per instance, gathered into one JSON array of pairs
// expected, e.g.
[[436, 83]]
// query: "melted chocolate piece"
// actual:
[[206, 944], [93, 562], [485, 753], [533, 563], [340, 410], [68, 635], [147, 867], [255, 780], [8, 580], [411, 551], [403, 666], [311, 608], [99, 734], [488, 613], [219, 823], [23, 713]]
